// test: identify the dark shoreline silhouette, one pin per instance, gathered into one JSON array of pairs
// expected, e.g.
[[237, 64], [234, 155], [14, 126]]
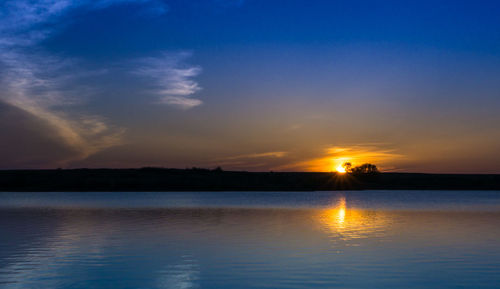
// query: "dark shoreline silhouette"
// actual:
[[159, 179]]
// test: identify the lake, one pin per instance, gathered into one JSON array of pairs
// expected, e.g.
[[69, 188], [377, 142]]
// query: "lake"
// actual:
[[355, 239]]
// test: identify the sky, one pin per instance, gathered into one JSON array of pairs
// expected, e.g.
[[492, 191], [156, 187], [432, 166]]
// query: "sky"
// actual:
[[256, 85]]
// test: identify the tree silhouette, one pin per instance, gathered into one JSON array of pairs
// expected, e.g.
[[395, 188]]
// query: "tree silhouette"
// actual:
[[365, 169], [347, 167]]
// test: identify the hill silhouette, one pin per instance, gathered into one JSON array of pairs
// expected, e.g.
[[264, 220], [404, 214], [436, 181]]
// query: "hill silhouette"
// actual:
[[162, 179]]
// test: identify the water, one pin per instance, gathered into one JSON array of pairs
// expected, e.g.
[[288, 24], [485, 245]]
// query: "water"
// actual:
[[369, 239]]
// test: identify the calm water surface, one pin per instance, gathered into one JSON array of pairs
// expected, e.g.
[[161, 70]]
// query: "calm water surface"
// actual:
[[369, 239]]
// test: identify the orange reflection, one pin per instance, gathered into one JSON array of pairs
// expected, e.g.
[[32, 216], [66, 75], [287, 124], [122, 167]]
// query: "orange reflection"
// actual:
[[340, 211], [349, 223]]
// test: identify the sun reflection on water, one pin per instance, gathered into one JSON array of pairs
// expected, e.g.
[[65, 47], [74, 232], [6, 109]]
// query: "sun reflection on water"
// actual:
[[344, 223], [340, 214]]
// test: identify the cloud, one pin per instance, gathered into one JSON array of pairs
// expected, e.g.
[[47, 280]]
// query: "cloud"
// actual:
[[27, 22], [278, 154], [39, 86], [180, 101], [173, 82], [28, 142], [49, 87], [356, 154], [45, 85], [253, 161]]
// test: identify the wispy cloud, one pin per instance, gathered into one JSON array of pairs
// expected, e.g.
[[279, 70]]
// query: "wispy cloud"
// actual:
[[173, 83], [252, 161], [37, 86], [49, 87], [39, 83], [277, 154], [26, 22]]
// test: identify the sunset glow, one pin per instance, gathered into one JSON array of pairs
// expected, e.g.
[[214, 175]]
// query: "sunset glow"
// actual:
[[269, 93], [334, 158], [249, 143]]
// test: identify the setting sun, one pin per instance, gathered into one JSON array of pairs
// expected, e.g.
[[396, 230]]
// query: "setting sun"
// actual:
[[340, 169]]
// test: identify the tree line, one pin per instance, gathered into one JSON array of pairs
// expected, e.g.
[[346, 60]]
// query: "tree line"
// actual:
[[366, 168]]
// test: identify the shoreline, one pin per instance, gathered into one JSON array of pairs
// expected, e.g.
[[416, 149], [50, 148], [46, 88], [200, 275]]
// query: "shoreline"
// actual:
[[158, 179]]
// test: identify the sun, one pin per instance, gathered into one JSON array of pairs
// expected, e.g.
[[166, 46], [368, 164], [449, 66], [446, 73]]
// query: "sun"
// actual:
[[340, 169]]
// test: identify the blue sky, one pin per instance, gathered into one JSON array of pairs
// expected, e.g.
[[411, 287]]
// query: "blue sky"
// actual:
[[249, 84]]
